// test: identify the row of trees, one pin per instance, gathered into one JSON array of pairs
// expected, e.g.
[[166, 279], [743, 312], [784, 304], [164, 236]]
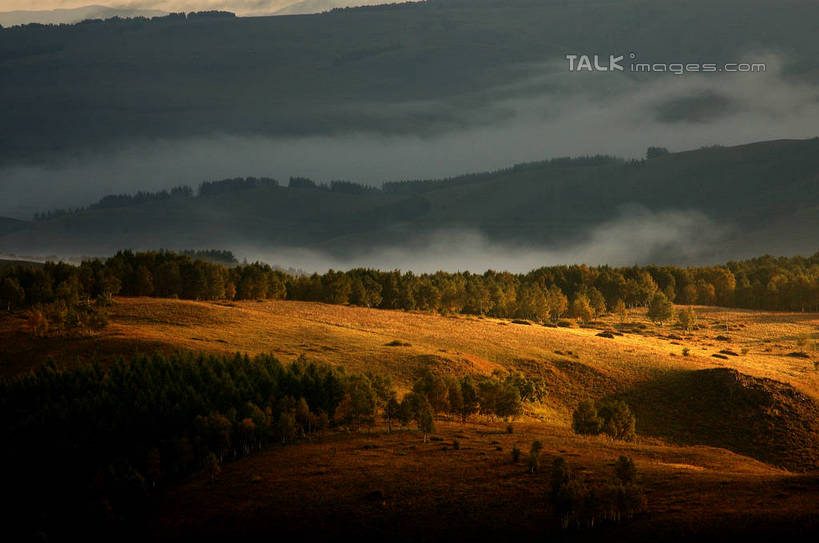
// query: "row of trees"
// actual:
[[113, 201], [540, 295], [370, 396], [580, 505]]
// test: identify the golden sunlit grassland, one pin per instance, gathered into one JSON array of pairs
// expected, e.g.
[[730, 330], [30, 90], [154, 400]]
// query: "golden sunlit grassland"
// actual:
[[574, 360], [718, 451]]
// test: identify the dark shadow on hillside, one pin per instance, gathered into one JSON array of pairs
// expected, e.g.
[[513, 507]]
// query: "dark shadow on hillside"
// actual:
[[761, 418]]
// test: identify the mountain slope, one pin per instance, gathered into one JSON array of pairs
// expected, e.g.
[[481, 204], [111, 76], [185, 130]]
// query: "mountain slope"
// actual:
[[416, 68], [740, 201], [8, 225]]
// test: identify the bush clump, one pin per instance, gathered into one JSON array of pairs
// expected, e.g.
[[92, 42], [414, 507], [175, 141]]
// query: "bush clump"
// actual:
[[612, 417], [576, 504], [515, 454], [533, 460]]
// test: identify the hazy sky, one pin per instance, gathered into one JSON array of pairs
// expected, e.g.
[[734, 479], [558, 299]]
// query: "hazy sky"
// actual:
[[241, 7]]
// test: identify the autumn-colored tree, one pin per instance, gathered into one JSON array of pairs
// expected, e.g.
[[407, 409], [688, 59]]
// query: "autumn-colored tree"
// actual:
[[687, 318], [620, 310], [581, 309], [660, 309]]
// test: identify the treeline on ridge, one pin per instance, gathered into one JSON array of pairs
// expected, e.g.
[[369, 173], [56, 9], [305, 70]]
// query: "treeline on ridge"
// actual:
[[206, 189], [544, 294], [237, 184]]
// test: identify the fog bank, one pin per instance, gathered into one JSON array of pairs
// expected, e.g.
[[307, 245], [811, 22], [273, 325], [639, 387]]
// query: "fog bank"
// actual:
[[637, 236], [554, 114]]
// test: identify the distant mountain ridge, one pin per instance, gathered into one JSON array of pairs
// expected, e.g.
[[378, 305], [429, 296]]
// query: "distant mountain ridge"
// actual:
[[306, 7], [72, 15], [426, 68], [761, 197]]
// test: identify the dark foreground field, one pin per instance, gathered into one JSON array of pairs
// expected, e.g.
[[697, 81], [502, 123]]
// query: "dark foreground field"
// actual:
[[395, 487]]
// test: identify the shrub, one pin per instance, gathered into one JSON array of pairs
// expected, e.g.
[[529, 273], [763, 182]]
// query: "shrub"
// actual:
[[515, 454], [585, 420], [534, 457], [625, 470], [611, 416], [618, 421]]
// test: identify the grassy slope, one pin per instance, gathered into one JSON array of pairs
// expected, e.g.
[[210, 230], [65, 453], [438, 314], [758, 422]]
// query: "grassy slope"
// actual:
[[574, 361], [693, 488], [357, 338]]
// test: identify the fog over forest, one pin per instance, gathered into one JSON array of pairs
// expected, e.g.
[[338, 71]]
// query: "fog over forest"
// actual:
[[422, 91], [550, 114]]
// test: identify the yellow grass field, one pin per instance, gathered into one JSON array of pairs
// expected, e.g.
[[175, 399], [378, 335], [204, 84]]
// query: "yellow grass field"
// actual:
[[575, 360], [698, 476]]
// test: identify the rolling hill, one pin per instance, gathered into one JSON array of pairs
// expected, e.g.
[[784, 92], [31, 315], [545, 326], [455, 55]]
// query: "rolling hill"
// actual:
[[735, 202], [417, 68], [762, 404], [725, 446]]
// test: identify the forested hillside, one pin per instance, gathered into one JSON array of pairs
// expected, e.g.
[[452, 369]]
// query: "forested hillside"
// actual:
[[437, 64], [744, 201]]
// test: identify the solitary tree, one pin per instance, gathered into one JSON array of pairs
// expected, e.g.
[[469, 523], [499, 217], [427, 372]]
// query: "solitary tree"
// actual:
[[585, 420], [620, 310], [660, 309], [581, 308], [625, 470], [534, 456], [425, 418], [687, 318], [386, 401], [618, 420]]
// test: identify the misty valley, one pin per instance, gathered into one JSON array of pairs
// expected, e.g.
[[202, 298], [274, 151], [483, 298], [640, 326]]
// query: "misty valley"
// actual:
[[447, 270]]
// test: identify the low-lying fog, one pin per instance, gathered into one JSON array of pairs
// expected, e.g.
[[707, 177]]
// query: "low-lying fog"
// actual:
[[560, 114], [637, 236], [580, 113]]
